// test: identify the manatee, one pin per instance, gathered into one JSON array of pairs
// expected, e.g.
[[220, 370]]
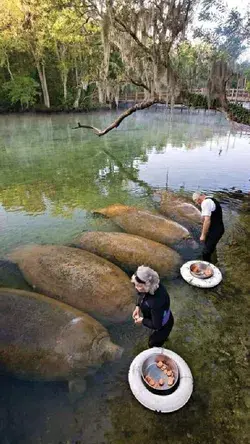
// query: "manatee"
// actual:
[[179, 209], [43, 339], [130, 251], [115, 210], [78, 278], [146, 224]]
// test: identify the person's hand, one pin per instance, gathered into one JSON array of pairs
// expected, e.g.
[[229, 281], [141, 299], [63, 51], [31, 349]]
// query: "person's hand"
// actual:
[[202, 238], [136, 313], [138, 321]]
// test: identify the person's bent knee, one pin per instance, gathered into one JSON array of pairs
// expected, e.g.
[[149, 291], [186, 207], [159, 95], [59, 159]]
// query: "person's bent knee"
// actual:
[[150, 343]]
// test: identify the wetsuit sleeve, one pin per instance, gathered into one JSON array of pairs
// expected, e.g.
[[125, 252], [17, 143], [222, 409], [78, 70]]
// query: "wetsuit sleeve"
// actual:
[[156, 319]]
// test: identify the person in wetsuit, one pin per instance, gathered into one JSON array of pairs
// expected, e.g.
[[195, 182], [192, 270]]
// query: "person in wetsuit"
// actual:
[[213, 227], [153, 305]]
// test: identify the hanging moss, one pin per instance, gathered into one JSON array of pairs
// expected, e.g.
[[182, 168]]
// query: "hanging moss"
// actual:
[[220, 73]]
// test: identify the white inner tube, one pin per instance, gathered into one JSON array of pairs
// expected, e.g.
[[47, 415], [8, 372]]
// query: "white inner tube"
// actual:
[[161, 403], [197, 282]]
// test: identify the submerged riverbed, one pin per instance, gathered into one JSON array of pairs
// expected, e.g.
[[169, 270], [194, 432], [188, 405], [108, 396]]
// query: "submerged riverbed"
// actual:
[[51, 179]]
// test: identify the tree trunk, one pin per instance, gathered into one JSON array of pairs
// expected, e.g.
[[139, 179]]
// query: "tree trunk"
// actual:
[[223, 96], [43, 80], [78, 96], [65, 79], [101, 93], [237, 88], [8, 68]]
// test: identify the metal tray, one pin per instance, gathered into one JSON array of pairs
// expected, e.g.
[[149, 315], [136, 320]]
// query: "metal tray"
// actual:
[[202, 267], [150, 368]]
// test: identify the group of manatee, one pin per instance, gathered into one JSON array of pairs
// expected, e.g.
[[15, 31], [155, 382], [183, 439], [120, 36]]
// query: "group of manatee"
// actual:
[[55, 331]]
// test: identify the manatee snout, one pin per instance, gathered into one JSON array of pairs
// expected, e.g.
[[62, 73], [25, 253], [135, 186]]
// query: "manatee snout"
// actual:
[[110, 351], [191, 243], [188, 248], [118, 352]]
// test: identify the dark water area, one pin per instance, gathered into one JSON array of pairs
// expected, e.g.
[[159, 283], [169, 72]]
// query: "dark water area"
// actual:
[[52, 177]]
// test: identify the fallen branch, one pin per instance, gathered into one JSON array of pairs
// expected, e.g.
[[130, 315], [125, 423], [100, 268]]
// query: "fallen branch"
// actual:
[[117, 122]]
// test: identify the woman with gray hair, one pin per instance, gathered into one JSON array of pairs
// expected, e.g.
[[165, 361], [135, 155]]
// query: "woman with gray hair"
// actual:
[[153, 306]]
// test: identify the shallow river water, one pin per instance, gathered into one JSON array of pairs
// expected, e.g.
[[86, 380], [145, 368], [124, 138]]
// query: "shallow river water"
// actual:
[[51, 177]]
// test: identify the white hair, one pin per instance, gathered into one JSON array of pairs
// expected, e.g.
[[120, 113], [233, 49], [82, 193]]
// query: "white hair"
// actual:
[[149, 276], [196, 196]]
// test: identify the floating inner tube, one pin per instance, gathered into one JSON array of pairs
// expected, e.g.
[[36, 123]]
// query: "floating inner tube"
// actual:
[[159, 403], [197, 282]]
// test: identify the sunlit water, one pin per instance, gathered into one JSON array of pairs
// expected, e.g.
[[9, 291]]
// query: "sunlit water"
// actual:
[[52, 176]]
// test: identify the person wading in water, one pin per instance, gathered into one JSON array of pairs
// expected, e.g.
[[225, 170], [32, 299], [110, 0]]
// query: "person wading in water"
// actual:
[[153, 306], [213, 227]]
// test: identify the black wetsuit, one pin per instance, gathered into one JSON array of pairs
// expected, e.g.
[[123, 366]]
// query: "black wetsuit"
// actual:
[[215, 232], [156, 315]]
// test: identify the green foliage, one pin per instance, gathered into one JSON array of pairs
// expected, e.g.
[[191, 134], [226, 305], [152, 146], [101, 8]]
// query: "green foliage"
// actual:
[[227, 30], [199, 101], [230, 34], [23, 90], [239, 114], [60, 45], [192, 61]]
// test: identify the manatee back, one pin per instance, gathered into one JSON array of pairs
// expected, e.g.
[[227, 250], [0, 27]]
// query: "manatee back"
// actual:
[[78, 278], [179, 208], [129, 251], [152, 226], [27, 318], [41, 338]]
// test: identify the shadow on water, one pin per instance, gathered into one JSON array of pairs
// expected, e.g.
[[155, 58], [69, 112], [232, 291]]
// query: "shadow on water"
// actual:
[[11, 276]]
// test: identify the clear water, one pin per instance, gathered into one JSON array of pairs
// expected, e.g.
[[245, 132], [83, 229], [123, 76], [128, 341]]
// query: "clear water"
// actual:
[[51, 178]]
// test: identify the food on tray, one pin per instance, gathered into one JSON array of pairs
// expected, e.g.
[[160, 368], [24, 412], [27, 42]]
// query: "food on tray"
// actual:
[[164, 366], [208, 272], [159, 364], [170, 380], [195, 268], [151, 382]]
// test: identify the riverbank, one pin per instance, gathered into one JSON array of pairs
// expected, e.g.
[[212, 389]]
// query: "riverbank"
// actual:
[[54, 110], [236, 114]]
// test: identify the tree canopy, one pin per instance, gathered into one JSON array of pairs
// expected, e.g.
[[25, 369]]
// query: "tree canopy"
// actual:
[[68, 54]]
